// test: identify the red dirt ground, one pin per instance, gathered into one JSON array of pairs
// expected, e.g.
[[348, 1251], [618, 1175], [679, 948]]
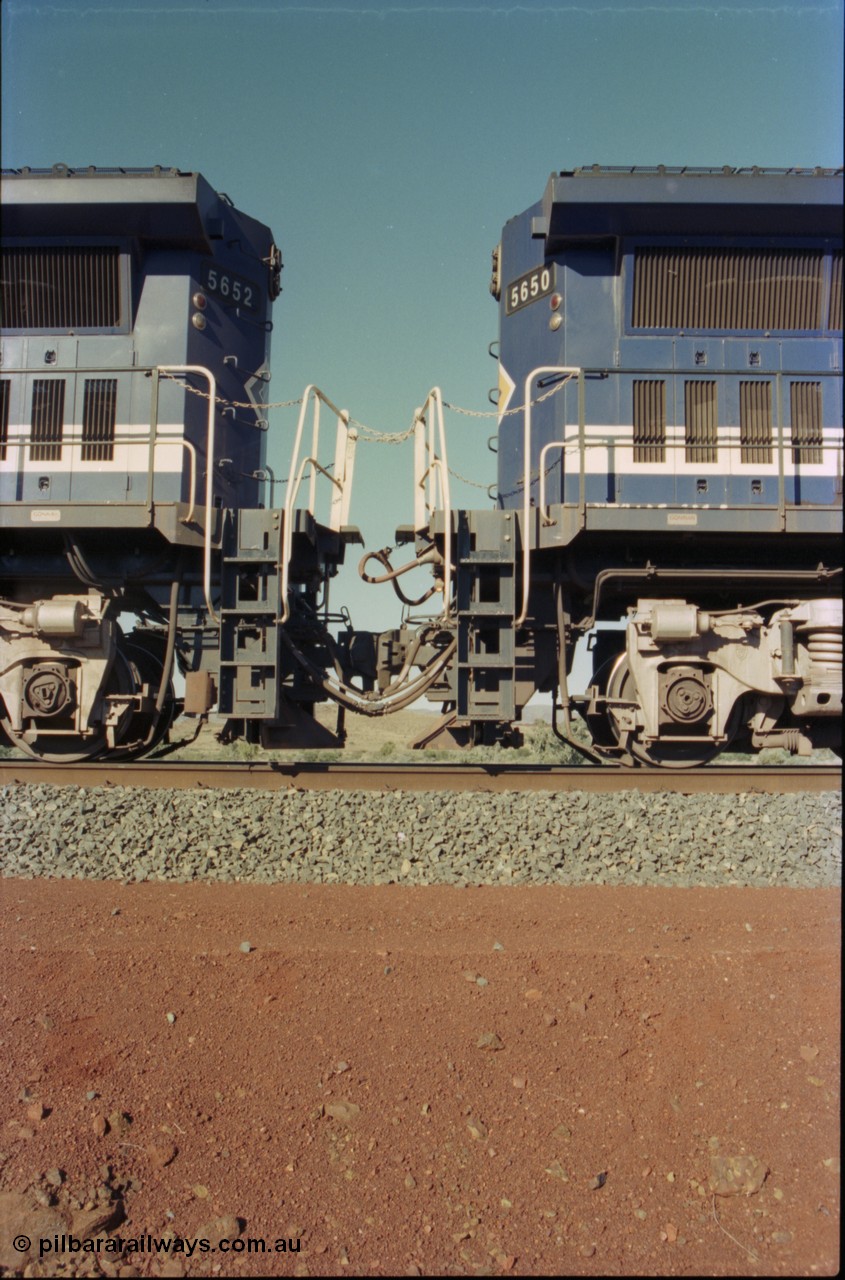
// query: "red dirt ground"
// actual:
[[481, 1081]]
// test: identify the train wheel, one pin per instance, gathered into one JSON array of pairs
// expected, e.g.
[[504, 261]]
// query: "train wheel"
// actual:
[[55, 741], [51, 688], [669, 755], [146, 730]]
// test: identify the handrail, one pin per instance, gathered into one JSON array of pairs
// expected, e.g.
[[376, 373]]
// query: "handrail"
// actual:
[[23, 440], [678, 441], [675, 440], [344, 469], [192, 458], [571, 371], [209, 470], [432, 482], [553, 444], [154, 438], [76, 442], [781, 470], [341, 479]]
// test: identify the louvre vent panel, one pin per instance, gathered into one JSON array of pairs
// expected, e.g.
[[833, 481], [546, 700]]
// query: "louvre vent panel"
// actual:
[[755, 421], [728, 289], [99, 415], [702, 421], [649, 421], [805, 403], [5, 389], [48, 410], [55, 289], [834, 317]]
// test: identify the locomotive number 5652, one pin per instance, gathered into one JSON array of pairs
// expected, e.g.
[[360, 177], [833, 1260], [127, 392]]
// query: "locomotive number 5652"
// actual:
[[231, 288]]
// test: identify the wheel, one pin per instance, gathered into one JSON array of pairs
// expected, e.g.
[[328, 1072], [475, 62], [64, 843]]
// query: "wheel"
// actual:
[[669, 755], [50, 692], [603, 732], [145, 730]]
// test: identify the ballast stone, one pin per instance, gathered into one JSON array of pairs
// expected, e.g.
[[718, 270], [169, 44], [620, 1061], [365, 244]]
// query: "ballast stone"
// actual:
[[353, 837]]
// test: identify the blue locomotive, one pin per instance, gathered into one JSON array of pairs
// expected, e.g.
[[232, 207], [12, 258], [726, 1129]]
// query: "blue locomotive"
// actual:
[[672, 339], [669, 455], [135, 367]]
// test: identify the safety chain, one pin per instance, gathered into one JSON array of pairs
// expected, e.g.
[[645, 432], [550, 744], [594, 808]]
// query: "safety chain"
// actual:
[[463, 479], [370, 435], [508, 413], [229, 404], [535, 475]]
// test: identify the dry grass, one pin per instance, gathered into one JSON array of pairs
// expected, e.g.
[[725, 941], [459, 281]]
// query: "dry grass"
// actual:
[[379, 738]]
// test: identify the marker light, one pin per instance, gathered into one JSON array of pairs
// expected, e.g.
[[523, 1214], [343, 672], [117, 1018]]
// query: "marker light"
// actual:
[[200, 301], [555, 300], [555, 322], [198, 321]]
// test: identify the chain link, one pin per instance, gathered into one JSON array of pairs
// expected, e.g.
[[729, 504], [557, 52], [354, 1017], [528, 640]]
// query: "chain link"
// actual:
[[508, 413], [463, 479], [229, 404], [370, 435], [535, 475]]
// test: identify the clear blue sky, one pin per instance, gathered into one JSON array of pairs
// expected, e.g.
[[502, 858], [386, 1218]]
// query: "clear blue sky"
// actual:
[[386, 144]]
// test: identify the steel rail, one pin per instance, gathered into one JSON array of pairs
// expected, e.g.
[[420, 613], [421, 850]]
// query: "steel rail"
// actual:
[[348, 776]]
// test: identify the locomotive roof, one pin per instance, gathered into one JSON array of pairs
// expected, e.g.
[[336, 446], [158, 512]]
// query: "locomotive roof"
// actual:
[[598, 202], [156, 204]]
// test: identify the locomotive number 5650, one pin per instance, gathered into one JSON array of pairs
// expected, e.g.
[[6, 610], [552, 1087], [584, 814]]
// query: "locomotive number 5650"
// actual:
[[528, 288]]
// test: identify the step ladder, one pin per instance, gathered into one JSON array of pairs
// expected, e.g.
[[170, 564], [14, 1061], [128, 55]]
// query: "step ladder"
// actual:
[[250, 602], [485, 599]]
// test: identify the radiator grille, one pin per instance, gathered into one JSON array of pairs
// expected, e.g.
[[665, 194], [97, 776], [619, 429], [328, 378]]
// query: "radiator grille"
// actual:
[[702, 421], [649, 421], [48, 408], [5, 389], [755, 421], [727, 289], [834, 311], [67, 288], [805, 404], [99, 415]]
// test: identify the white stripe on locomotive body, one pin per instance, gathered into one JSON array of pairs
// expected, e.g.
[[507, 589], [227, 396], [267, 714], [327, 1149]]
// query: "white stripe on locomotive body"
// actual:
[[128, 456], [610, 449]]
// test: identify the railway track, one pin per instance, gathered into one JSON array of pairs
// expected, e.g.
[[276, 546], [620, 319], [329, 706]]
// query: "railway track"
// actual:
[[350, 776]]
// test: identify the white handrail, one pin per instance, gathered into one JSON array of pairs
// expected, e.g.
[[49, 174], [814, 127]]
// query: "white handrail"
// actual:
[[572, 371], [209, 471], [553, 444], [432, 481], [192, 459], [341, 479], [344, 467]]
